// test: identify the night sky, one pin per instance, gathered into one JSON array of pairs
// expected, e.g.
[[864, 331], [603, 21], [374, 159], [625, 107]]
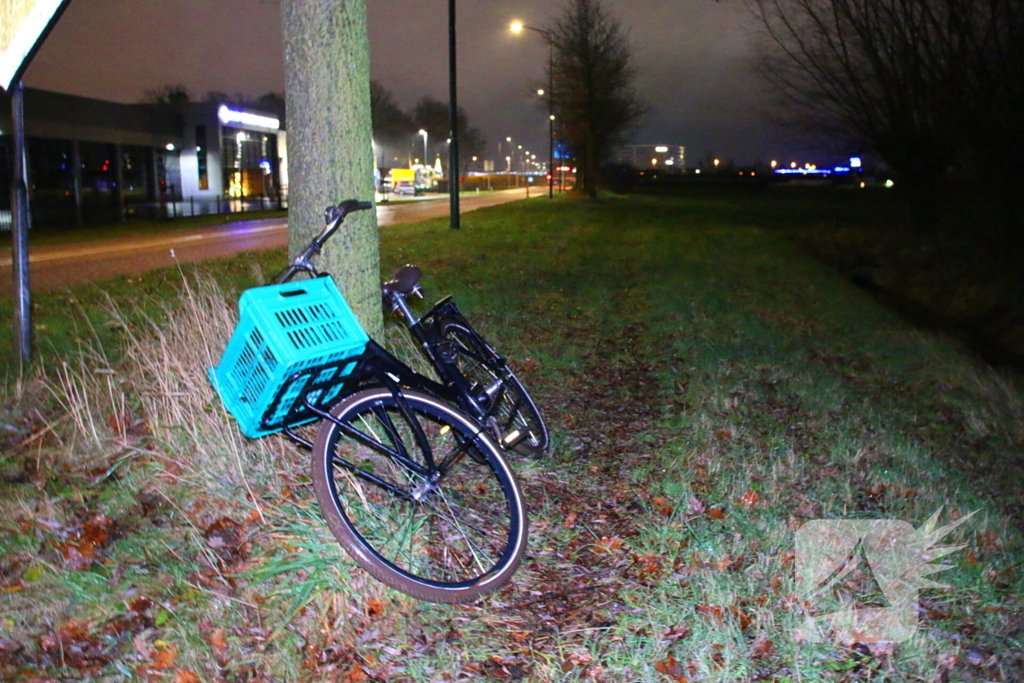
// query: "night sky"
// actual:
[[693, 57]]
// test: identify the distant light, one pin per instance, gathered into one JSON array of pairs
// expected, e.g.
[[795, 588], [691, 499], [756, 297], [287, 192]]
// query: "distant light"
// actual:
[[697, 171], [841, 169], [540, 91], [517, 27], [508, 139], [855, 162], [792, 164], [774, 163], [246, 119], [863, 184], [716, 162], [661, 148], [654, 162], [552, 117], [890, 183], [803, 171], [169, 146], [670, 162]]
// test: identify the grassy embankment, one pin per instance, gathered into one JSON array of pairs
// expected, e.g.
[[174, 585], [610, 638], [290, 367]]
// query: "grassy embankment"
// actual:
[[709, 389]]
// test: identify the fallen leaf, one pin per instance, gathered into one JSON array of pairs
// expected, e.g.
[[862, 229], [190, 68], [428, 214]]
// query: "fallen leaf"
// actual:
[[185, 676], [714, 611], [676, 633], [164, 658], [375, 607], [671, 668], [749, 498], [662, 506], [607, 544], [355, 674], [761, 648]]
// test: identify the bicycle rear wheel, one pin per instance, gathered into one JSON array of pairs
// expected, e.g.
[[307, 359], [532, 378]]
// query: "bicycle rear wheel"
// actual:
[[419, 496], [512, 414]]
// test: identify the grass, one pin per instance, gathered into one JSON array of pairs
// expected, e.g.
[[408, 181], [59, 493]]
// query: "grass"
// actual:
[[709, 388]]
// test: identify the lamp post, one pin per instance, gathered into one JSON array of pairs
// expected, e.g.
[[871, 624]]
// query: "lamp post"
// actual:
[[453, 117], [518, 27], [424, 134]]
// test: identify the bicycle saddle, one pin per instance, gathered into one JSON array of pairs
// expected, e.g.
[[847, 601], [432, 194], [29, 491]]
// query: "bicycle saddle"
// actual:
[[403, 282]]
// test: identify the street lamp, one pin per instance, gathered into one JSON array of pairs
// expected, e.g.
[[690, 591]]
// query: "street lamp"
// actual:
[[424, 134], [518, 27]]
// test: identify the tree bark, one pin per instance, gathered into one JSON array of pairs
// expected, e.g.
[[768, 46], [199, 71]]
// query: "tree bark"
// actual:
[[330, 153]]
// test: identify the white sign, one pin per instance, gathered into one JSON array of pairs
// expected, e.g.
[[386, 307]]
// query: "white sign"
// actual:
[[246, 119], [23, 23]]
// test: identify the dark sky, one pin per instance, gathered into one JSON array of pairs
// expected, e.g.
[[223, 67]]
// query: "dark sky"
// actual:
[[693, 57]]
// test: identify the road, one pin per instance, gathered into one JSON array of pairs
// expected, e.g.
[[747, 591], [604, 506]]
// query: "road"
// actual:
[[62, 265]]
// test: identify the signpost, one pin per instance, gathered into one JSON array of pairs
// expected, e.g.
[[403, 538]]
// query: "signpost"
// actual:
[[23, 27]]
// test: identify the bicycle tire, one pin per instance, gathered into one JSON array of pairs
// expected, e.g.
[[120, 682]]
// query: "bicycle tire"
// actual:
[[514, 408], [463, 539]]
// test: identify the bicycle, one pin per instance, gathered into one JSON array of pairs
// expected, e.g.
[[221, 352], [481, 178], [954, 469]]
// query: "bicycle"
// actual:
[[476, 377], [417, 491]]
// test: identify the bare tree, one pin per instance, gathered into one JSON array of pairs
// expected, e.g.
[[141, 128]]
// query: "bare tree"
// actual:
[[433, 116], [592, 73], [928, 84], [330, 154], [390, 123], [167, 95]]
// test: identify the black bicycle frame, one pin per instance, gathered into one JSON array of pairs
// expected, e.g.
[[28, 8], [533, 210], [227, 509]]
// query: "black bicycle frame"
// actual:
[[427, 331]]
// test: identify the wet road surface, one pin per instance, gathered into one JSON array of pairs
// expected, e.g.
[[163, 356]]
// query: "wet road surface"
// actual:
[[62, 265]]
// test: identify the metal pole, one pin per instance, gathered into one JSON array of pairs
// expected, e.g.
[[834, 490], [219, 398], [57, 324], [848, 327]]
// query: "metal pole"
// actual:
[[22, 221], [76, 180], [453, 149], [551, 119]]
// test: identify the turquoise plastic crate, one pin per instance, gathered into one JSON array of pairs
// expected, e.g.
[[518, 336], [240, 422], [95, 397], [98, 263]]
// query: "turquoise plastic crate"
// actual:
[[283, 329]]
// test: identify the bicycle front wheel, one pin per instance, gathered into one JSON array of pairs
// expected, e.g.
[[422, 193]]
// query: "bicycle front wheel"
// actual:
[[419, 495], [511, 413]]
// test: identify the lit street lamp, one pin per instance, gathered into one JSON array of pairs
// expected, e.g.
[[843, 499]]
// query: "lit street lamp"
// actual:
[[517, 27], [424, 134]]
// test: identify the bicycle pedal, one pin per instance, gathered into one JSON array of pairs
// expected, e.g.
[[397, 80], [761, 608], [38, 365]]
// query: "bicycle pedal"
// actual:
[[512, 438]]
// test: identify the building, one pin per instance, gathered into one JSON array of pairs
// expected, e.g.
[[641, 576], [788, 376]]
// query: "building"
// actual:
[[92, 160], [642, 157]]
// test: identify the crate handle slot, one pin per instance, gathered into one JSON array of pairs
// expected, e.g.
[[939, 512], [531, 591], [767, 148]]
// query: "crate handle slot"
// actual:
[[294, 292]]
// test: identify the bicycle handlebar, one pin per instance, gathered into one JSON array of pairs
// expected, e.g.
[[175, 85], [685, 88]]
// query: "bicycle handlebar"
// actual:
[[333, 217]]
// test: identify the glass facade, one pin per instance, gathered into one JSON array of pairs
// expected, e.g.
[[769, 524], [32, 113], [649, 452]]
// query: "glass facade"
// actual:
[[149, 161], [249, 161], [202, 158]]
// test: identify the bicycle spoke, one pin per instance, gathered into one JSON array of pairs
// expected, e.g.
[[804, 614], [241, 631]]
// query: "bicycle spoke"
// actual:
[[449, 527]]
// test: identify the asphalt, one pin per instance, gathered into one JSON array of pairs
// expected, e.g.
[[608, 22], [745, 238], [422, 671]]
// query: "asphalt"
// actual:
[[63, 265]]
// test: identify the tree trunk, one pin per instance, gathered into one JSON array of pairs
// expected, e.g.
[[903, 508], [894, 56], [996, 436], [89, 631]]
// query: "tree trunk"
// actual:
[[330, 153]]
